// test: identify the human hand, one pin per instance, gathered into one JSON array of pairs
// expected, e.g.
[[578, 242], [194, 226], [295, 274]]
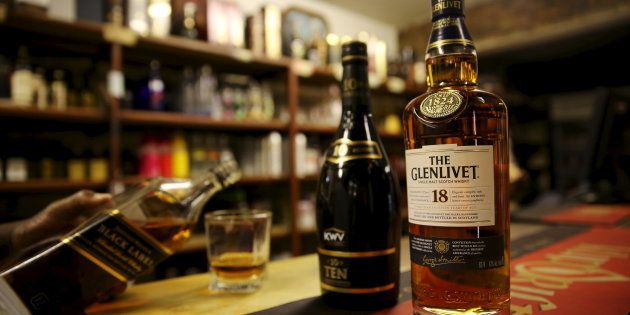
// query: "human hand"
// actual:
[[59, 218]]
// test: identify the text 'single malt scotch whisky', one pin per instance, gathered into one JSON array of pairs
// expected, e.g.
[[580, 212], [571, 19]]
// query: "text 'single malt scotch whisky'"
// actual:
[[456, 139], [358, 215], [116, 245]]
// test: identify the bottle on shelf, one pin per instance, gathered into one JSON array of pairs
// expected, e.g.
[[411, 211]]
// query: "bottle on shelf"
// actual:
[[137, 19], [150, 158], [78, 164], [300, 155], [40, 89], [212, 149], [268, 103], [239, 105], [181, 157], [358, 214], [116, 245], [313, 157], [456, 139], [47, 165], [22, 80], [306, 213], [152, 95], [198, 154], [77, 169], [189, 28], [58, 91], [227, 100], [255, 102], [165, 151], [207, 92], [159, 12], [16, 169], [188, 100], [274, 154], [98, 166], [86, 97], [225, 153]]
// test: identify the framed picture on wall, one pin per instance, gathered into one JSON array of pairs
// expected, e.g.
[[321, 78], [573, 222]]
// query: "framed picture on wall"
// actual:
[[304, 35]]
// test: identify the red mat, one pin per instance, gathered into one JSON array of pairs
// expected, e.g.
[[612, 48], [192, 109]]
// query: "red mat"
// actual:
[[590, 214]]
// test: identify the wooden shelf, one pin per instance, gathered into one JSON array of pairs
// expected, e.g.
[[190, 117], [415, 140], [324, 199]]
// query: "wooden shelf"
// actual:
[[247, 180], [224, 55], [309, 178], [149, 118], [325, 129], [42, 185], [77, 30], [308, 232], [324, 74], [197, 242], [80, 115], [311, 128], [254, 180]]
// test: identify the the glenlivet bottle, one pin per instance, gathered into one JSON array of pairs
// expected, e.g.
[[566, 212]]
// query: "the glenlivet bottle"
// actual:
[[456, 139], [146, 226], [358, 216]]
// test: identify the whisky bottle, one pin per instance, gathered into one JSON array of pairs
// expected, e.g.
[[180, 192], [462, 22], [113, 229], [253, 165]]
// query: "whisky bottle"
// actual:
[[115, 246], [58, 91], [152, 94], [21, 80], [358, 215], [456, 139]]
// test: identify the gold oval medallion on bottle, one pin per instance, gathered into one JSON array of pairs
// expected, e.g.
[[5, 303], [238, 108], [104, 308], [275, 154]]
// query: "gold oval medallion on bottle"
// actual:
[[441, 104]]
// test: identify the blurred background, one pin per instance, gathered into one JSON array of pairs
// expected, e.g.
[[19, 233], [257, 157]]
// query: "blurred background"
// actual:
[[102, 94]]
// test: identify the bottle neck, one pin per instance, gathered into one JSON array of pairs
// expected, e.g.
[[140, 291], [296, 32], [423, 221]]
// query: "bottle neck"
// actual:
[[355, 98], [451, 58], [204, 187]]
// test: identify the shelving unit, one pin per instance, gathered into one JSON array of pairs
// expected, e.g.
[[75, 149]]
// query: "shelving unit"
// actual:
[[148, 118], [329, 130], [75, 115], [50, 185], [245, 181], [117, 119], [78, 30]]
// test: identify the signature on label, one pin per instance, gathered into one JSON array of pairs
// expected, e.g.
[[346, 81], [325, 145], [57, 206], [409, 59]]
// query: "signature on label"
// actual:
[[439, 261]]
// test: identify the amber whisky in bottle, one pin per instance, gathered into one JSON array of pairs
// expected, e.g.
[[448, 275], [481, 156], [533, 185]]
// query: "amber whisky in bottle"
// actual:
[[456, 139], [115, 246], [358, 216]]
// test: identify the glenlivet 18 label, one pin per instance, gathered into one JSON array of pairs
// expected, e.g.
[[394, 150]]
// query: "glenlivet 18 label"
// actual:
[[451, 185]]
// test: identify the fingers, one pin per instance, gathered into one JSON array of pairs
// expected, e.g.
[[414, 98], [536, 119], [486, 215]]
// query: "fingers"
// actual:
[[60, 217], [82, 203]]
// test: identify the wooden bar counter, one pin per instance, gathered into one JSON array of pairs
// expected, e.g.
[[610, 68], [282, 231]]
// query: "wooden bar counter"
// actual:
[[587, 266], [287, 281]]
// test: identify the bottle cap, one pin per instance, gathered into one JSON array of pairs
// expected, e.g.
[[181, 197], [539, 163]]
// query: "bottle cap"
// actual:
[[353, 51], [442, 8]]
